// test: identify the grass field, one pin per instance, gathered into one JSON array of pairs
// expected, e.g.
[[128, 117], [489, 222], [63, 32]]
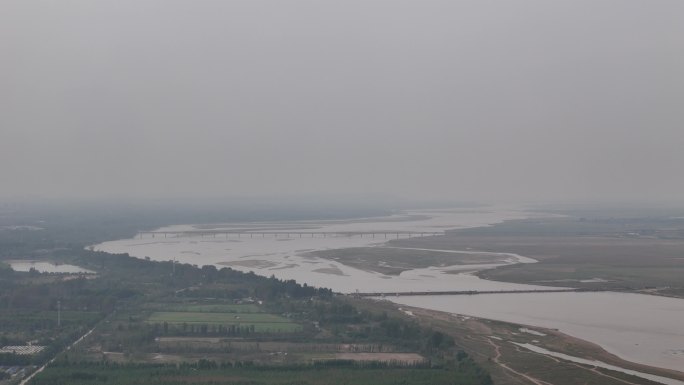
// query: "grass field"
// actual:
[[263, 322], [33, 321], [214, 308], [57, 375]]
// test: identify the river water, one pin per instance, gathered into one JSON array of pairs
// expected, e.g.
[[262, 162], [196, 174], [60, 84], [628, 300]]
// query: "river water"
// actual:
[[47, 267], [638, 328]]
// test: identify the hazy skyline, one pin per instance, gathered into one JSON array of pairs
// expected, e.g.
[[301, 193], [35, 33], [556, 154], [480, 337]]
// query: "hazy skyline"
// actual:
[[459, 100]]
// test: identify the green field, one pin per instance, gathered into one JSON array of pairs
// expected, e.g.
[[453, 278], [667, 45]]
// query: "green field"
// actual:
[[151, 375], [34, 321], [262, 322], [209, 308]]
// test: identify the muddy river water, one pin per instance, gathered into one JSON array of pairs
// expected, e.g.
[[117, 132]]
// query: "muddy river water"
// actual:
[[639, 328]]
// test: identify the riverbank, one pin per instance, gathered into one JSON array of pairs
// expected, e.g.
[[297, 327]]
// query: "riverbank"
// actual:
[[635, 254], [653, 341], [492, 343]]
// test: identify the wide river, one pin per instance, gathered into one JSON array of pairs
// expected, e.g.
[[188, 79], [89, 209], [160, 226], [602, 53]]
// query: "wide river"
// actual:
[[639, 328]]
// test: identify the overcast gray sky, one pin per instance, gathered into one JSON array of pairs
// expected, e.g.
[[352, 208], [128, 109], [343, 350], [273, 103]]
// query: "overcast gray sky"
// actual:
[[466, 100]]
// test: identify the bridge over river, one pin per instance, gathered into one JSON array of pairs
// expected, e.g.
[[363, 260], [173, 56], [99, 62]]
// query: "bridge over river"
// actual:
[[287, 234], [469, 292]]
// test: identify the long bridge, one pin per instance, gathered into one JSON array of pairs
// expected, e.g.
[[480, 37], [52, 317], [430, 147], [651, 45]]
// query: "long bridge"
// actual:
[[287, 234], [468, 292]]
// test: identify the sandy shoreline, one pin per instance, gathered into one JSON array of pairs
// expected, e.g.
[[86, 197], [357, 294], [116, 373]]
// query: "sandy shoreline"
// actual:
[[554, 340], [285, 260]]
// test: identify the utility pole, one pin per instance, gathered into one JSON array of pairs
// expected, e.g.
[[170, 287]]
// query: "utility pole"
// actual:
[[59, 313]]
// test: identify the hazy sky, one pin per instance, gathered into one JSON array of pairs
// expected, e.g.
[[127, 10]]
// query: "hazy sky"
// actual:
[[465, 100]]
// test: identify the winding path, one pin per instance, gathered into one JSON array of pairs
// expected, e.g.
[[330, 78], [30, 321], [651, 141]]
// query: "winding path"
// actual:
[[497, 350]]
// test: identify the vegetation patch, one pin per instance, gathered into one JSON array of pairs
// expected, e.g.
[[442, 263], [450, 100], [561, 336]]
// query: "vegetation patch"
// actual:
[[210, 307], [393, 261], [593, 250], [209, 372], [258, 322]]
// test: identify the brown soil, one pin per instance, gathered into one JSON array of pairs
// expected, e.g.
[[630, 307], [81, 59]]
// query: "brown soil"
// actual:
[[385, 357]]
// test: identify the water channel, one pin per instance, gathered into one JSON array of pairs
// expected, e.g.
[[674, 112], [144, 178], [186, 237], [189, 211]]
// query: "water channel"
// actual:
[[639, 328]]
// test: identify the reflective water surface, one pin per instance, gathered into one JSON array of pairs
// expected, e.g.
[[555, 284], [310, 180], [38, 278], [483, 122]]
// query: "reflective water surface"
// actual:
[[47, 267], [640, 328], [636, 327]]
